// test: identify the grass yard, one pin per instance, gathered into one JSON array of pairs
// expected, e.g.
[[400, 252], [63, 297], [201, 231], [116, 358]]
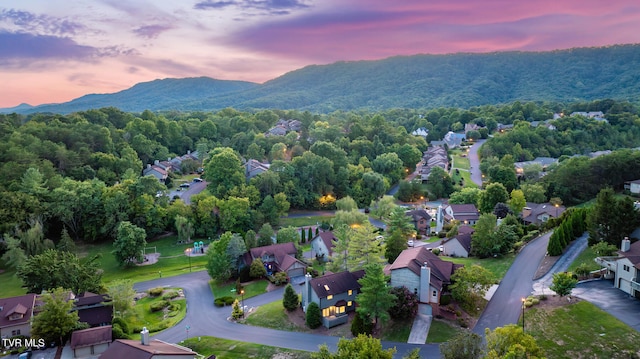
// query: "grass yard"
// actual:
[[498, 266], [229, 289], [441, 331], [396, 331], [159, 320], [231, 349], [11, 285], [172, 261], [273, 316], [304, 221], [587, 256], [580, 330]]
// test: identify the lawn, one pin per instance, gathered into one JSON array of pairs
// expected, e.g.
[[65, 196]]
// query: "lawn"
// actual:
[[304, 221], [273, 316], [587, 256], [581, 330], [441, 331], [172, 261], [396, 331], [11, 285], [156, 321], [498, 266], [231, 349], [251, 289]]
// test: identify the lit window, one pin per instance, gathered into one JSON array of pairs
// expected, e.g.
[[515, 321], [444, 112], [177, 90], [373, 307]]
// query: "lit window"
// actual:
[[326, 287], [325, 312], [340, 310], [329, 297], [350, 292], [349, 303]]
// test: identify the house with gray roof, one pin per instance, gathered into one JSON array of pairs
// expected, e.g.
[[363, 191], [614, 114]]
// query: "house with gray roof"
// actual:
[[624, 268], [322, 245], [538, 213], [280, 257], [458, 245], [16, 314], [335, 294]]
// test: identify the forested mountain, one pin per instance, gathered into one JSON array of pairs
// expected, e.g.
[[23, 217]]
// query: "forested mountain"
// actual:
[[420, 81]]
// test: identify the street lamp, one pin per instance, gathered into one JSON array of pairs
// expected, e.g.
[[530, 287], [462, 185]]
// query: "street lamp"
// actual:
[[523, 301], [556, 209], [188, 253], [242, 293]]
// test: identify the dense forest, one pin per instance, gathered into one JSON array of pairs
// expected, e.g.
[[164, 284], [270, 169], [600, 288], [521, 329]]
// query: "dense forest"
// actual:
[[420, 81], [82, 172]]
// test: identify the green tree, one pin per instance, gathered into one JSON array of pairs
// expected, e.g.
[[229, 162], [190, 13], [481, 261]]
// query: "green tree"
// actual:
[[185, 229], [257, 269], [364, 248], [235, 249], [482, 244], [56, 320], [470, 284], [237, 312], [288, 234], [394, 245], [389, 165], [290, 300], [346, 204], [464, 345], [409, 155], [603, 249], [534, 192], [66, 244], [129, 243], [250, 239], [439, 183], [14, 257], [382, 208], [282, 205], [563, 283], [517, 201], [218, 265], [265, 234], [400, 221], [313, 317], [223, 171], [362, 346], [361, 325], [52, 269], [510, 341], [234, 214], [374, 299], [349, 218], [493, 194], [555, 245], [123, 296], [467, 195], [405, 304]]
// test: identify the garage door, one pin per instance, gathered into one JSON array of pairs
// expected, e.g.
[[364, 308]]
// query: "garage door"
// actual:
[[296, 272]]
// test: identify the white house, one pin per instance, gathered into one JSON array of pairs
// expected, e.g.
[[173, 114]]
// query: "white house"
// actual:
[[458, 245], [322, 245], [624, 268]]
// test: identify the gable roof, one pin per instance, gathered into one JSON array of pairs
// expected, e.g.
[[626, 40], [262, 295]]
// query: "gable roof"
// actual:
[[22, 305], [414, 258], [541, 208], [463, 238], [91, 336], [88, 298], [284, 254], [133, 349], [336, 283], [417, 214], [328, 238], [633, 254]]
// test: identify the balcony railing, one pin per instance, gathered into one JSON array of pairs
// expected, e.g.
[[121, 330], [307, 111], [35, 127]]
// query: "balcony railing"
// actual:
[[607, 262]]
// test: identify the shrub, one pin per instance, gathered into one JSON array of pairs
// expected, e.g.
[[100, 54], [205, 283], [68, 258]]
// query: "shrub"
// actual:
[[228, 300], [117, 332], [436, 251], [290, 299], [361, 325], [124, 326], [445, 299], [170, 295], [405, 305], [442, 234], [158, 306], [219, 302], [154, 292], [314, 316], [279, 278], [583, 269], [462, 322], [237, 312]]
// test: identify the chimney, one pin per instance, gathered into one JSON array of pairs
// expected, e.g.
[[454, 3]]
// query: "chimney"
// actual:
[[425, 280], [626, 245], [156, 162], [306, 294], [526, 212], [144, 336]]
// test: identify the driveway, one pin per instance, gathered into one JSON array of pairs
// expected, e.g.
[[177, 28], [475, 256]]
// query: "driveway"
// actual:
[[603, 294]]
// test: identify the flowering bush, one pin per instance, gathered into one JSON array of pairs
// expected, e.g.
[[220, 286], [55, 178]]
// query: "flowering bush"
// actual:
[[405, 305]]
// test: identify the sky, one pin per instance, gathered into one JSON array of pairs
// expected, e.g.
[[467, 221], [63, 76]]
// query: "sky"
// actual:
[[53, 51]]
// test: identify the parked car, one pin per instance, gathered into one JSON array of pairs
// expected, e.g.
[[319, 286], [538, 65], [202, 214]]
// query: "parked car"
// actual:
[[185, 185], [410, 243], [197, 179]]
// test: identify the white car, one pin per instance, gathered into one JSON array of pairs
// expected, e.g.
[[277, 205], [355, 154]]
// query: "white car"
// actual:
[[410, 243]]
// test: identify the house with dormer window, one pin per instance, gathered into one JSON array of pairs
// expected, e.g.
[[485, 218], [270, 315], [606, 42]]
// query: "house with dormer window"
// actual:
[[335, 294], [15, 315]]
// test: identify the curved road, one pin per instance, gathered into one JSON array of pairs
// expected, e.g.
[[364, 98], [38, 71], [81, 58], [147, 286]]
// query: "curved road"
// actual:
[[474, 161], [203, 318]]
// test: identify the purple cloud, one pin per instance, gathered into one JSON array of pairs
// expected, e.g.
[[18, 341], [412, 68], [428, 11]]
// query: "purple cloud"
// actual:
[[273, 7], [29, 22], [151, 31]]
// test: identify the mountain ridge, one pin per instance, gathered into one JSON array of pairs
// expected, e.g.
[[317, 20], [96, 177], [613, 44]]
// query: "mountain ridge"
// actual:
[[416, 81]]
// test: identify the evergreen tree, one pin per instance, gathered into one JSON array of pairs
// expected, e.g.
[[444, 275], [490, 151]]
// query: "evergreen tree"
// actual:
[[374, 299], [257, 269], [313, 317], [554, 247], [290, 300], [237, 312], [310, 234], [303, 236], [66, 244], [361, 324], [395, 244]]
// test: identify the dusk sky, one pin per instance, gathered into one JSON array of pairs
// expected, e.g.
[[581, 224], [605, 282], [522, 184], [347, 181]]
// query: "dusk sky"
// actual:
[[57, 50]]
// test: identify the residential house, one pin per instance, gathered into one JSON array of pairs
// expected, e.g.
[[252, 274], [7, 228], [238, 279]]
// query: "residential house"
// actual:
[[421, 220], [176, 162], [156, 171], [253, 168], [633, 186], [147, 349], [596, 115], [453, 140], [463, 213], [544, 162], [471, 127], [624, 268], [335, 294], [90, 342], [502, 127], [16, 314], [458, 245], [422, 132], [434, 156], [423, 273], [322, 245], [93, 309], [279, 257], [538, 213], [282, 127]]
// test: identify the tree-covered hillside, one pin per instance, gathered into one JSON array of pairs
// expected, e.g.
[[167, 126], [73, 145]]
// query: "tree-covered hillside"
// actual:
[[420, 81]]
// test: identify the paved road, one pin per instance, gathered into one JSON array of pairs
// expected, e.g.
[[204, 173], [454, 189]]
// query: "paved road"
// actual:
[[474, 161], [203, 318], [504, 307]]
